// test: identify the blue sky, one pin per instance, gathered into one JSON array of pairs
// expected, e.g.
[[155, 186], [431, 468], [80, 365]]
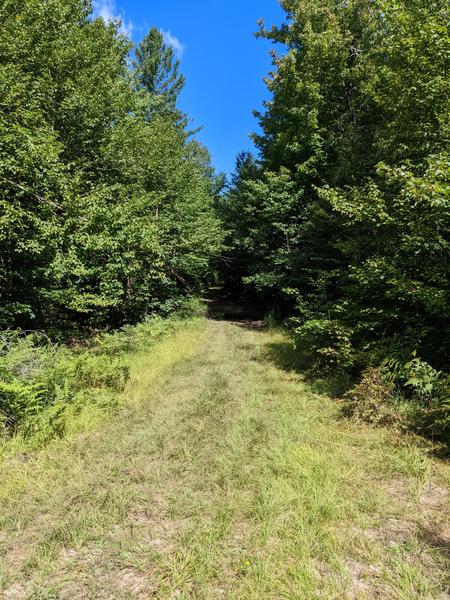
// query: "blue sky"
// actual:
[[223, 62]]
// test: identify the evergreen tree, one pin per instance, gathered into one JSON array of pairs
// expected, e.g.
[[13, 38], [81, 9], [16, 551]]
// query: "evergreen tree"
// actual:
[[158, 73]]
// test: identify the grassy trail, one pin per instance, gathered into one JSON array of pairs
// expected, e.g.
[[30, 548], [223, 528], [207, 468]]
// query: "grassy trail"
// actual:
[[224, 476]]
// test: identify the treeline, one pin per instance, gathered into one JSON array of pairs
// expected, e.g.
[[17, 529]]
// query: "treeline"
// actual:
[[343, 220], [106, 200]]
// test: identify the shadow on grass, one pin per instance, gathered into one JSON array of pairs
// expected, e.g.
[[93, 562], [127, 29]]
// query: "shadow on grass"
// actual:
[[287, 358], [439, 541]]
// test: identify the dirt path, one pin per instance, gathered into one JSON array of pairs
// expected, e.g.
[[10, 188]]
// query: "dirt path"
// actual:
[[224, 476]]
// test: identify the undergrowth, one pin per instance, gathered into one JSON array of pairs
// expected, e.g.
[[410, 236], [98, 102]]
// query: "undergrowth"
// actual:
[[45, 385], [401, 391]]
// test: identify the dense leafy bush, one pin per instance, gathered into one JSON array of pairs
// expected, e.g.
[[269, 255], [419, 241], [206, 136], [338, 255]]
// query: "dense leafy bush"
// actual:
[[416, 377], [324, 346]]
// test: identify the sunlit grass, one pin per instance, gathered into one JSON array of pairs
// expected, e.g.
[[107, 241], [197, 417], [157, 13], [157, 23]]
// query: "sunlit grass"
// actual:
[[224, 476]]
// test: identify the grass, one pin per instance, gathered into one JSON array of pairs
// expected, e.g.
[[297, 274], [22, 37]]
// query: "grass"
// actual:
[[223, 475]]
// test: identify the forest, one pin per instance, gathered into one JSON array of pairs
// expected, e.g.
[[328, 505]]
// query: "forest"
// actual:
[[342, 221], [114, 224], [111, 211]]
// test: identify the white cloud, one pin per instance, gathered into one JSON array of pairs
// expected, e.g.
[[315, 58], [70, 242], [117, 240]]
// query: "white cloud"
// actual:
[[108, 11], [173, 41]]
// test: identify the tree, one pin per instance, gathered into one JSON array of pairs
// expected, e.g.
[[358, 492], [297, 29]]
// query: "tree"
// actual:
[[105, 214], [348, 213], [157, 72], [64, 78]]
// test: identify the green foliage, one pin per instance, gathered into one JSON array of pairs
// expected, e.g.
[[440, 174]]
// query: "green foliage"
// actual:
[[158, 73], [427, 392], [417, 376], [436, 418], [44, 385], [106, 211], [19, 401], [344, 217], [324, 346], [40, 383]]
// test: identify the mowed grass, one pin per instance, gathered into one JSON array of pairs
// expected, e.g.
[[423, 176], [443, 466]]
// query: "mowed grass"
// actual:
[[223, 475]]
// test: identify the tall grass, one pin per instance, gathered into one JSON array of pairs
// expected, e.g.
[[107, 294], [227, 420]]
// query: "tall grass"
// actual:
[[223, 475], [45, 386]]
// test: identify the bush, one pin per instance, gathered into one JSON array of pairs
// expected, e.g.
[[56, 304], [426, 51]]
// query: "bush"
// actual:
[[409, 395], [416, 378], [324, 346], [372, 399]]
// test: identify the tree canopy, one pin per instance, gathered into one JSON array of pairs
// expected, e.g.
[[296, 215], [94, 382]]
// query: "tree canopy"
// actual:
[[106, 210], [343, 220]]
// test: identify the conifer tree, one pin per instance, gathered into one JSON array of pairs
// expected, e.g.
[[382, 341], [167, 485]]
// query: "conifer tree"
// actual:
[[158, 73]]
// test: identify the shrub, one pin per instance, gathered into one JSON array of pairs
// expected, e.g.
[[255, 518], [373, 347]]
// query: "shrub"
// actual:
[[409, 395], [324, 346], [416, 378], [372, 399]]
